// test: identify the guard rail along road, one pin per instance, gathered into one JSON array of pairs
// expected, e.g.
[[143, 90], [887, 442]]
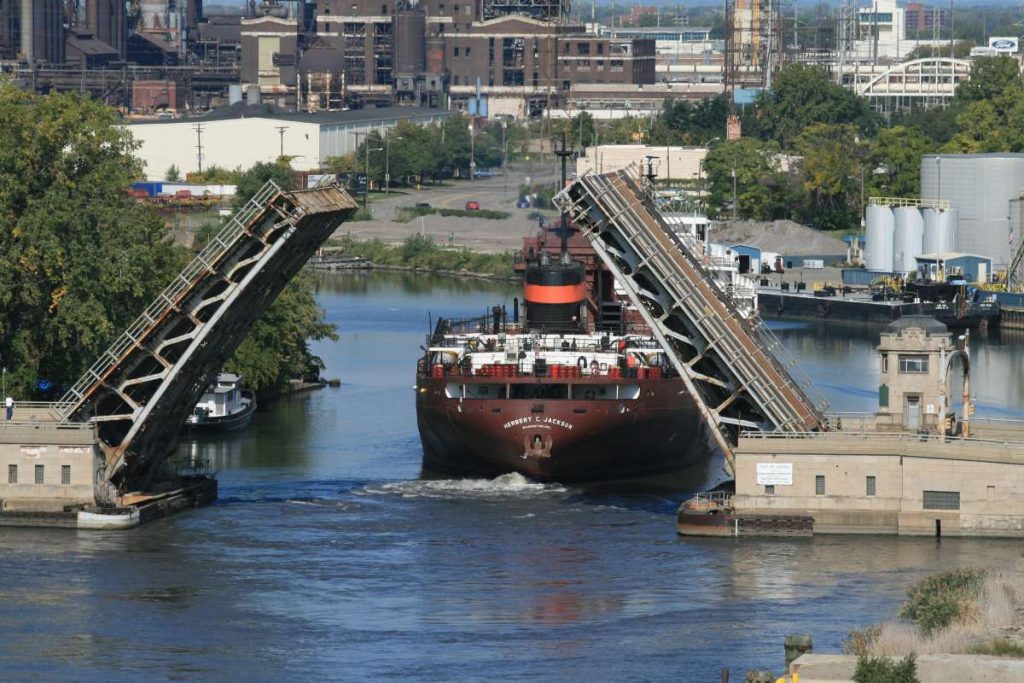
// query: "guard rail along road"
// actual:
[[725, 358]]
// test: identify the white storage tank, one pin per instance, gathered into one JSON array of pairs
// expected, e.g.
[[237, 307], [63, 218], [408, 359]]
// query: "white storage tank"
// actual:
[[879, 228], [939, 231], [907, 237]]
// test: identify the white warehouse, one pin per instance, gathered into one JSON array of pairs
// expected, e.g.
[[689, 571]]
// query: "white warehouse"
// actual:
[[241, 136]]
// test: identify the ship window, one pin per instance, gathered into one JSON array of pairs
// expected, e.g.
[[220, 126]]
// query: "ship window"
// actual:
[[913, 363], [484, 391], [539, 391]]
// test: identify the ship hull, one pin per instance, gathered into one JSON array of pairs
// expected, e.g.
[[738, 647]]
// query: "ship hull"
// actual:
[[562, 440]]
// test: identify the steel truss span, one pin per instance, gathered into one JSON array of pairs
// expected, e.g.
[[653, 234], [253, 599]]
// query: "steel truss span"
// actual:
[[143, 387]]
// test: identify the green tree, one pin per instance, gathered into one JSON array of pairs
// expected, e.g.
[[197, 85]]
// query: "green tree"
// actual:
[[762, 188], [250, 182], [894, 162], [173, 174], [802, 96], [990, 77], [830, 174], [695, 123], [78, 260]]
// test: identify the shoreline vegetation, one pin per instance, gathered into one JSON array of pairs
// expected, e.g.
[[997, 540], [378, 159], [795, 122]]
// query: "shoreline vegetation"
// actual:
[[964, 611], [416, 254]]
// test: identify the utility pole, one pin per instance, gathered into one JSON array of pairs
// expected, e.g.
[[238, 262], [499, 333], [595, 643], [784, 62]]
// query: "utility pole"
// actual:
[[366, 168], [387, 160], [198, 128], [280, 131], [734, 192], [504, 155], [472, 152]]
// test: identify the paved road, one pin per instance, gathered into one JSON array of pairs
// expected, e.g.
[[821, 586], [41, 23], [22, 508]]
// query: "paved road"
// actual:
[[479, 234]]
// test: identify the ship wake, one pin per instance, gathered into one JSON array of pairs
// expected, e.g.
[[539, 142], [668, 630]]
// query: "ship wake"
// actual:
[[506, 485]]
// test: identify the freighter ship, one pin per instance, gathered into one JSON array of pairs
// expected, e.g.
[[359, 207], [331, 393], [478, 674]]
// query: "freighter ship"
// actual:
[[575, 389]]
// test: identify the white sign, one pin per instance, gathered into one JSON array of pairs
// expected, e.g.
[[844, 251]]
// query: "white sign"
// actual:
[[774, 474], [1004, 46]]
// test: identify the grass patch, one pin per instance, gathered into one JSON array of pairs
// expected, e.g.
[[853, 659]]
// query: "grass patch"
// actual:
[[422, 252], [408, 213], [1000, 647], [938, 601], [885, 670]]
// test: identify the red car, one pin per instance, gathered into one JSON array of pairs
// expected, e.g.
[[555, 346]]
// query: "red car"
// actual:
[[472, 206]]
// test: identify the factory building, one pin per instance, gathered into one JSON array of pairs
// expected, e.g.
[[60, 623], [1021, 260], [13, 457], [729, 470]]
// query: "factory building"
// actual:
[[242, 136]]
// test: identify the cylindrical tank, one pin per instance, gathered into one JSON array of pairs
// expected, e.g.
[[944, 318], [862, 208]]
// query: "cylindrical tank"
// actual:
[[410, 42], [252, 94], [234, 93], [879, 225], [908, 231], [939, 231]]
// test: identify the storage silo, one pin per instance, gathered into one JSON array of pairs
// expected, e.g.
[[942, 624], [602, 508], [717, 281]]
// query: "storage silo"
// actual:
[[907, 236], [979, 187], [939, 231], [879, 228]]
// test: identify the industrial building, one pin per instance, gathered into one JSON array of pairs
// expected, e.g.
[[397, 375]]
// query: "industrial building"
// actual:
[[669, 162], [241, 136]]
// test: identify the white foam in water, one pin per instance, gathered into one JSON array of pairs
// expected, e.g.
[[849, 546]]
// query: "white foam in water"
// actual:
[[512, 483]]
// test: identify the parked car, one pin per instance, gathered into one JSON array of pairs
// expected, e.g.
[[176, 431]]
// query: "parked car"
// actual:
[[472, 205]]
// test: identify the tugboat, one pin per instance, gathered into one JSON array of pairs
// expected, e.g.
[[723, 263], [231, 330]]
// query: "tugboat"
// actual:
[[224, 407], [575, 391]]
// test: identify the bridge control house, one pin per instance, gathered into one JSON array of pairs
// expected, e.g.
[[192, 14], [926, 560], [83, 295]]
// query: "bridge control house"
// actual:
[[909, 469]]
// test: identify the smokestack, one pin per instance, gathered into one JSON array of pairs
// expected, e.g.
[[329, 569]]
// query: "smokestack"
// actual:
[[27, 25]]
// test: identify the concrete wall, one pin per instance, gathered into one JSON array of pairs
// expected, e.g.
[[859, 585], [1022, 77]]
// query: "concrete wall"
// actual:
[[988, 475], [228, 143], [28, 447], [672, 162]]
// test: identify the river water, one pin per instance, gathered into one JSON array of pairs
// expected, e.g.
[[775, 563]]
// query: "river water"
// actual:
[[326, 556]]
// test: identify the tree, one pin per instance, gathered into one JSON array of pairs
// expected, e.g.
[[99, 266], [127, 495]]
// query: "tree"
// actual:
[[990, 77], [991, 125], [695, 123], [894, 162], [762, 188], [802, 96], [78, 260], [250, 182], [830, 174], [173, 174]]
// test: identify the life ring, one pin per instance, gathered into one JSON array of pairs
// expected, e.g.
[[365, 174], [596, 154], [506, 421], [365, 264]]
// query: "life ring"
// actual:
[[581, 363]]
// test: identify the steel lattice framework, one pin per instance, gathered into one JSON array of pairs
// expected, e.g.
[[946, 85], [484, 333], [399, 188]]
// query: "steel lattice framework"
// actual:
[[141, 389]]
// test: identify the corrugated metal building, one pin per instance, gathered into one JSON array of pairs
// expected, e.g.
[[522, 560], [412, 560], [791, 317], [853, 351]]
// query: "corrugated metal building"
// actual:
[[980, 187], [244, 135]]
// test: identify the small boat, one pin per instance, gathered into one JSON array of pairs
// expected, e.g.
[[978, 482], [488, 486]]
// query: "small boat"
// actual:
[[224, 407]]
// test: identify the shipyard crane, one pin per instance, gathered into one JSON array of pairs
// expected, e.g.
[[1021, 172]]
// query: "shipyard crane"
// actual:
[[728, 361]]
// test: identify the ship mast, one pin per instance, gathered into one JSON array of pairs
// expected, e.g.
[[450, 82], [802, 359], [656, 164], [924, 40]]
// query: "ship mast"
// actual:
[[564, 153]]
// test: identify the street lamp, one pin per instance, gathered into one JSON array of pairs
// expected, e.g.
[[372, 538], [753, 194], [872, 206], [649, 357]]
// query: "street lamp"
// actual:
[[366, 190], [472, 152], [387, 161]]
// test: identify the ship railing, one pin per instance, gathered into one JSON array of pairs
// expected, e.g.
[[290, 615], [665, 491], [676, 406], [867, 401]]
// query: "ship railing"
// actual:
[[709, 500]]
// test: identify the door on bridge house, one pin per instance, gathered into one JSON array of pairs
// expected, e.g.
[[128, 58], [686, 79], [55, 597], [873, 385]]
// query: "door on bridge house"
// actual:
[[912, 412]]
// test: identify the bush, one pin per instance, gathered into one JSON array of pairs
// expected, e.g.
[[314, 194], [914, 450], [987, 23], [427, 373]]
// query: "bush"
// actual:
[[884, 670], [860, 641], [999, 648], [937, 601]]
